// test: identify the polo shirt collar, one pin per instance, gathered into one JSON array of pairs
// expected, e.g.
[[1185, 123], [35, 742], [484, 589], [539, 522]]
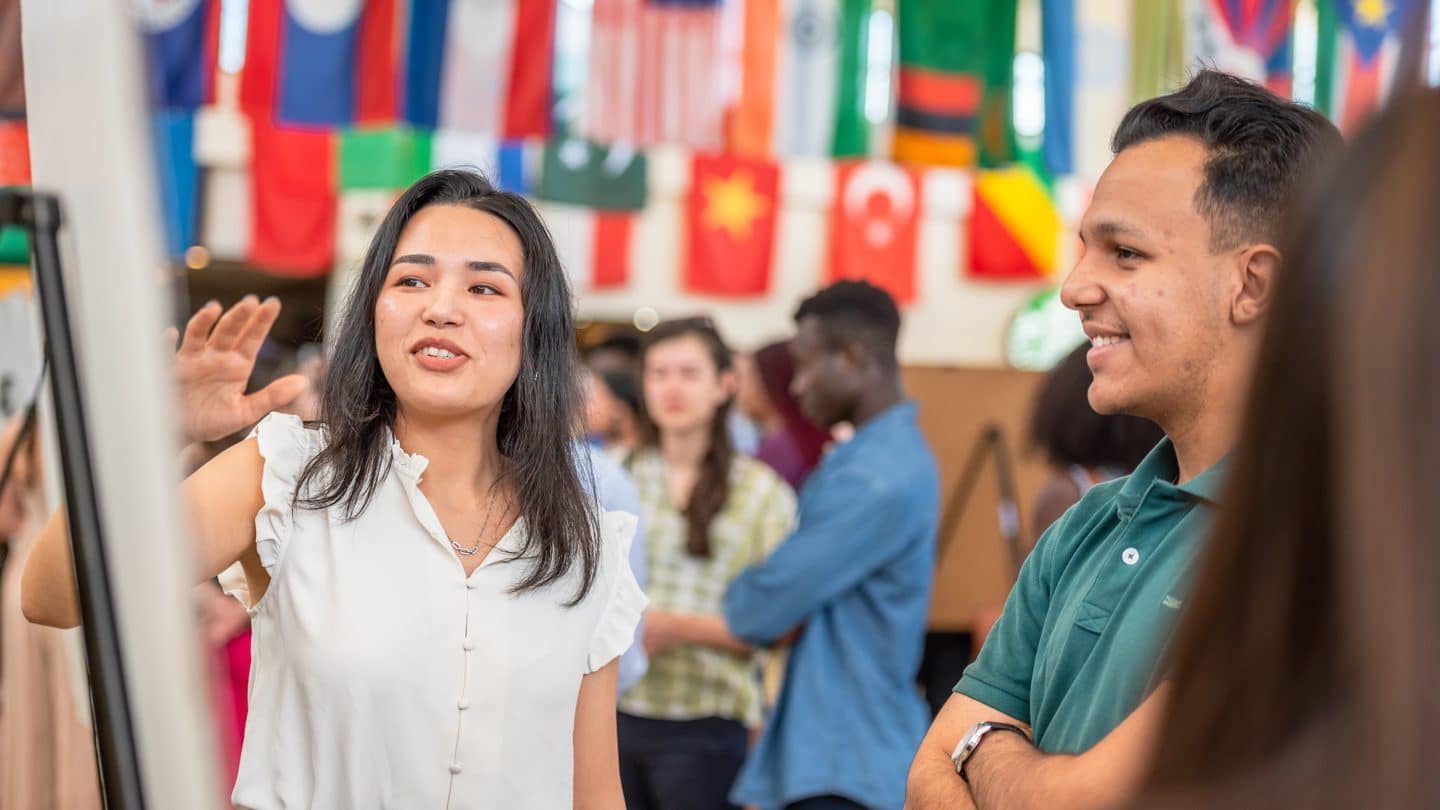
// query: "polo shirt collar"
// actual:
[[1160, 467]]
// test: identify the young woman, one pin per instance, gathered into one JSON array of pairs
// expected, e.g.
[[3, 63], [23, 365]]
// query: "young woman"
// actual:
[[1306, 666], [709, 513], [791, 444], [437, 605]]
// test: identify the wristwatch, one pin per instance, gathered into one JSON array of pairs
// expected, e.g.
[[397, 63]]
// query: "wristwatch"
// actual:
[[971, 741]]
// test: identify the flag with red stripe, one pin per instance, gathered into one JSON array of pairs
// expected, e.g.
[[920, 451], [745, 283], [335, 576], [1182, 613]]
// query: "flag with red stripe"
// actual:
[[293, 200], [481, 66], [655, 73]]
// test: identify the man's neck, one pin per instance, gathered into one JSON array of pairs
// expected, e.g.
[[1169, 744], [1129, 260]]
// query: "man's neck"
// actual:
[[878, 398], [1204, 439]]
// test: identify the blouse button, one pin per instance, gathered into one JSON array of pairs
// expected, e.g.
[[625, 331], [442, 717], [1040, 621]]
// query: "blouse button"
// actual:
[[454, 767], [468, 645], [463, 704], [470, 585]]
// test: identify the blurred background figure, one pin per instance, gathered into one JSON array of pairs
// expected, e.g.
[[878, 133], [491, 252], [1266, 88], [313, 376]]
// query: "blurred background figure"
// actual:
[[47, 754], [612, 410], [1082, 447], [790, 443], [1305, 667], [709, 512]]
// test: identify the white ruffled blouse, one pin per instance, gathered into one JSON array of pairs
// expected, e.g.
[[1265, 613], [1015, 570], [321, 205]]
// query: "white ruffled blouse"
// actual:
[[382, 677]]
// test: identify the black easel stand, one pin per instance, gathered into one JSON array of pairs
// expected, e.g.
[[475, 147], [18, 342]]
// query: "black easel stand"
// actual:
[[114, 733]]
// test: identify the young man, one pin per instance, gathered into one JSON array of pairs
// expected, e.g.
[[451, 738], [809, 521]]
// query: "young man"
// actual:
[[1172, 289], [853, 578]]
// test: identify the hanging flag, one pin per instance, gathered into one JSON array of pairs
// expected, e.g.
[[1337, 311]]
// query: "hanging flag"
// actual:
[[292, 200], [383, 159], [510, 165], [182, 38], [1250, 38], [1157, 48], [481, 66], [377, 98], [730, 218], [584, 173], [1368, 53], [954, 89], [1014, 227], [259, 76], [593, 244], [873, 226], [751, 121], [1057, 42], [12, 66], [319, 45], [14, 154], [173, 134], [655, 68]]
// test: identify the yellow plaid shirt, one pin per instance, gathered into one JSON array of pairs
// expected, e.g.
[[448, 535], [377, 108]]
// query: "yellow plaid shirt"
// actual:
[[687, 682]]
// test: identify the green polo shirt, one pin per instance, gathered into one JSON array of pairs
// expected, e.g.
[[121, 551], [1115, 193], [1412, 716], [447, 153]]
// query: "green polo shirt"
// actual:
[[1088, 622]]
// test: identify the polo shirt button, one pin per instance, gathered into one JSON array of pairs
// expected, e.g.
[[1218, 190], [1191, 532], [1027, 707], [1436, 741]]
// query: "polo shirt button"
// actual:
[[454, 767], [463, 704], [468, 645], [1130, 556]]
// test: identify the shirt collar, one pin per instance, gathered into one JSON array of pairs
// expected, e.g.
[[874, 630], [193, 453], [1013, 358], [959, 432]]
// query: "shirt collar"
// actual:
[[1161, 466]]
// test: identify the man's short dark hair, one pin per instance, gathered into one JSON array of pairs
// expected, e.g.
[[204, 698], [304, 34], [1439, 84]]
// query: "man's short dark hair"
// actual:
[[855, 312], [1261, 148]]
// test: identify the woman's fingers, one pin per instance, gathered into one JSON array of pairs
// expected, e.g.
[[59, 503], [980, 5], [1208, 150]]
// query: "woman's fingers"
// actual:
[[257, 328], [231, 327], [197, 329]]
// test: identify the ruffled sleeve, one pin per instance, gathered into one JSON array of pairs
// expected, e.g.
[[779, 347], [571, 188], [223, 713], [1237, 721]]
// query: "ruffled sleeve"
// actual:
[[624, 601], [286, 446]]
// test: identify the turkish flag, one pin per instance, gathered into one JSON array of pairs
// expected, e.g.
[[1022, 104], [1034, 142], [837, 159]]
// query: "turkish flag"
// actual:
[[873, 225], [731, 224]]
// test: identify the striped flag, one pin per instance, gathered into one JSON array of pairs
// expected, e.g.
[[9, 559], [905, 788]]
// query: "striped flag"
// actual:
[[320, 62], [1249, 38], [182, 38], [655, 70], [292, 200], [1014, 226], [954, 93], [481, 66], [510, 165], [1366, 55]]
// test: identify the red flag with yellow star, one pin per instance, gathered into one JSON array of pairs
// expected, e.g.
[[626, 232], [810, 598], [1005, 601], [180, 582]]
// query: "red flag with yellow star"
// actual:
[[731, 219]]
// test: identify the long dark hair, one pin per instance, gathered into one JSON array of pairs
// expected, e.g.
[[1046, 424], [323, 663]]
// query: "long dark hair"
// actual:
[[1305, 669], [712, 487], [538, 422]]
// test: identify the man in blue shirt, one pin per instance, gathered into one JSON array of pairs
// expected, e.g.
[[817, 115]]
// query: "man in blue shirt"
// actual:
[[854, 577]]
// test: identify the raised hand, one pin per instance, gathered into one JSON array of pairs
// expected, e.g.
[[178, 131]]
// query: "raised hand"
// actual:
[[212, 367]]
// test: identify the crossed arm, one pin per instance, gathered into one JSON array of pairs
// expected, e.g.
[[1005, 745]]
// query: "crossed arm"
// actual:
[[1007, 772]]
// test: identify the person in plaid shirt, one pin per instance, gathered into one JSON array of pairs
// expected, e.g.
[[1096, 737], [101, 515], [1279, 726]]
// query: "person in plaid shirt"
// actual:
[[709, 513]]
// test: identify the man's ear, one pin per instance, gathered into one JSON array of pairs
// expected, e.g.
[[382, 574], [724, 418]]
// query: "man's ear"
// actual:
[[855, 355], [1257, 267]]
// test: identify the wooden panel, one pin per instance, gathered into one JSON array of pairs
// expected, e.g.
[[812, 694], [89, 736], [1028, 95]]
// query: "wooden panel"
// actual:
[[956, 405]]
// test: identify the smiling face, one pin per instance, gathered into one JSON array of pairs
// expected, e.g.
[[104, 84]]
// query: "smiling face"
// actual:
[[449, 318], [684, 389], [1152, 295]]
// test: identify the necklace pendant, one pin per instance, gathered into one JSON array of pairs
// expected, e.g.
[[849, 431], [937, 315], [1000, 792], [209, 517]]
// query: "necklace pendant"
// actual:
[[462, 551]]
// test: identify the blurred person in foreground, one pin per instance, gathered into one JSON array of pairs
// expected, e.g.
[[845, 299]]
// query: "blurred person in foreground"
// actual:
[[1305, 668], [1173, 286], [853, 577], [790, 443]]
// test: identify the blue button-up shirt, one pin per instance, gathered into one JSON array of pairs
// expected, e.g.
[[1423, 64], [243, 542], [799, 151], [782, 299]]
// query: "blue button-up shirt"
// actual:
[[856, 573]]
